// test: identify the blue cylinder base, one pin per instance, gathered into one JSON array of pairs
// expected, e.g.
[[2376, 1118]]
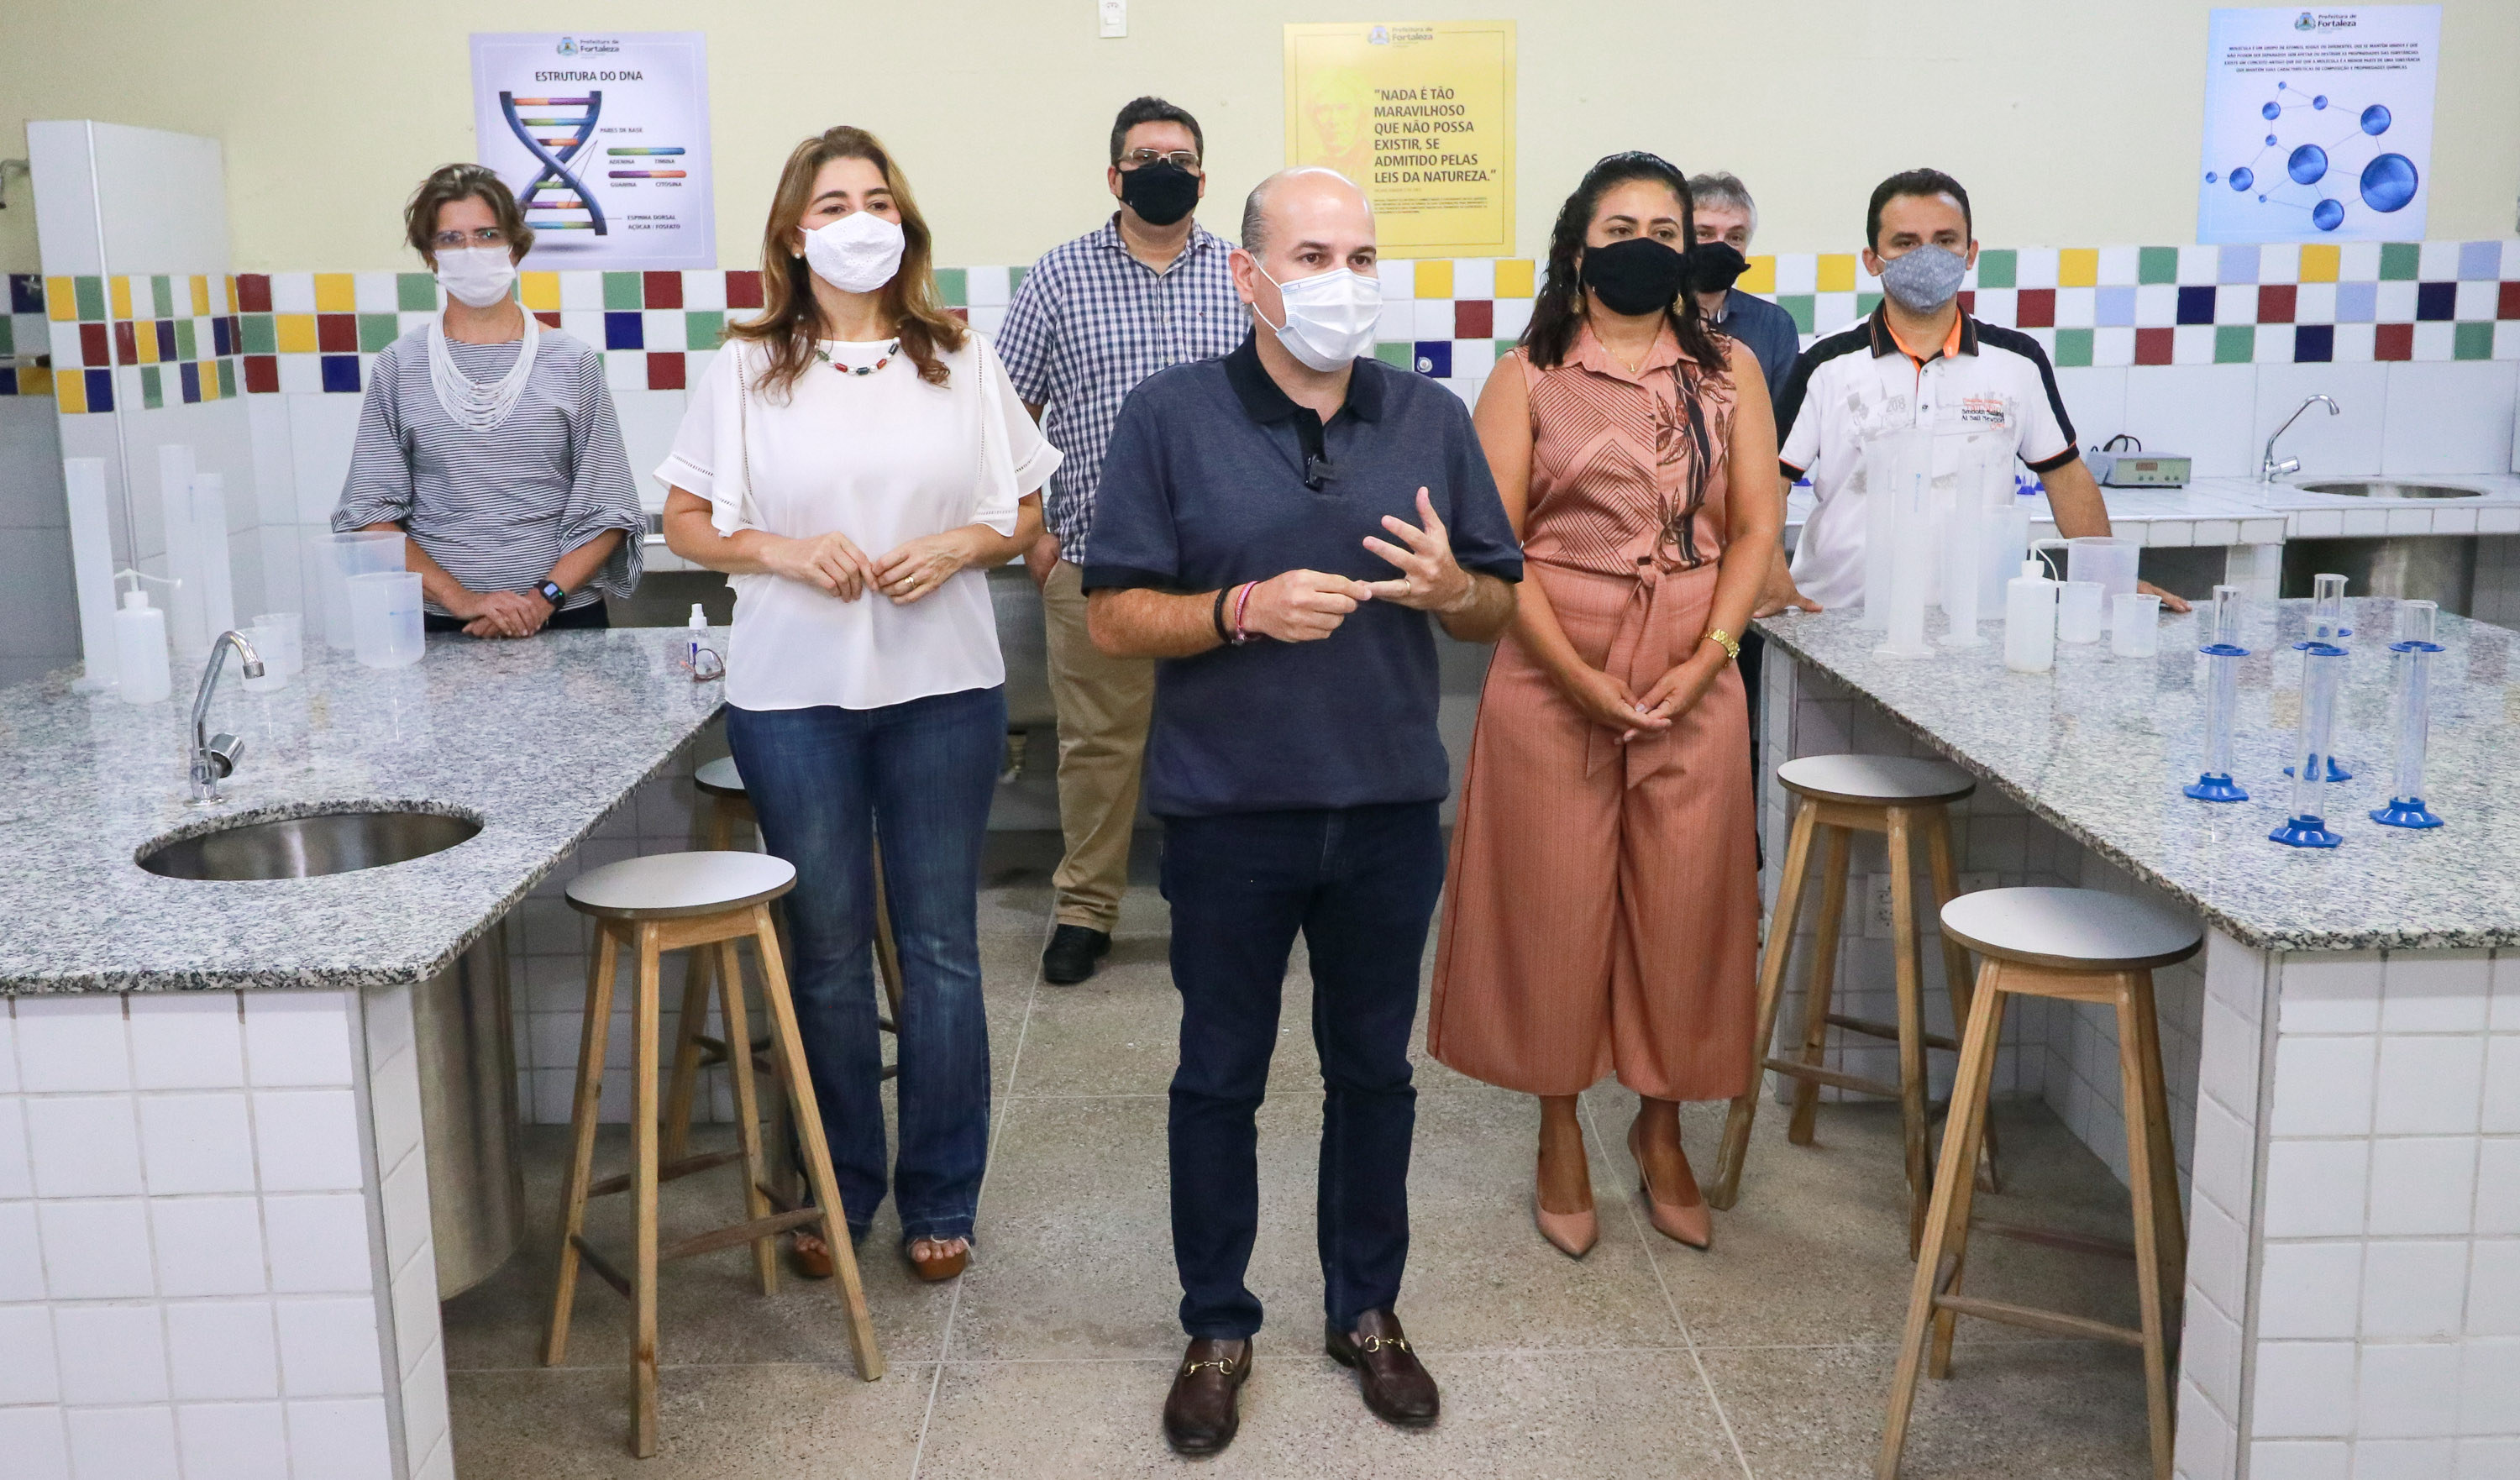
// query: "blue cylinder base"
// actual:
[[2335, 772], [2305, 832], [2214, 787], [2406, 812]]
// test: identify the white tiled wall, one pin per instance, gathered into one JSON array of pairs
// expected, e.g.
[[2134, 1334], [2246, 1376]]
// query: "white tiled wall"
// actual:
[[188, 1275], [2221, 1206], [2388, 1330], [38, 607]]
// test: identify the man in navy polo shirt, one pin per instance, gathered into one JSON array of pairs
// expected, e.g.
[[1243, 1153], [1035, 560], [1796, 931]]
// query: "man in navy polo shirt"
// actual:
[[1277, 527]]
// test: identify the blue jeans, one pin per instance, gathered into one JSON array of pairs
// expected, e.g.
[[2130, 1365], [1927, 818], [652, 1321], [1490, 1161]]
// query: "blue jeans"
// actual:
[[1360, 882], [826, 783]]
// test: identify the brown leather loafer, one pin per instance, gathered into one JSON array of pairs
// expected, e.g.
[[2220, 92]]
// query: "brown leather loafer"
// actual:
[[1203, 1409], [1397, 1387]]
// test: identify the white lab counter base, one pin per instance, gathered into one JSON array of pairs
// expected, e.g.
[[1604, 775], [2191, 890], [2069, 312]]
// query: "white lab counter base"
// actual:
[[2347, 1136], [214, 1238]]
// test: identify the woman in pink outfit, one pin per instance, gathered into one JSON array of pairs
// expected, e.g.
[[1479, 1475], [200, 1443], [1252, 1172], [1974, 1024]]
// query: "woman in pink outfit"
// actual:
[[1602, 911]]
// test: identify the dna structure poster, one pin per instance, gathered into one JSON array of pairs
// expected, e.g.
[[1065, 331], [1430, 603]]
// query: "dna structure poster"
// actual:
[[604, 140], [2318, 123]]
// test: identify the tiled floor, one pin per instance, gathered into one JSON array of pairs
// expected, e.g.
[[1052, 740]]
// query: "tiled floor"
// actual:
[[1769, 1356]]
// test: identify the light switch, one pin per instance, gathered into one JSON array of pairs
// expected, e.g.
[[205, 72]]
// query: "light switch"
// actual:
[[1115, 17]]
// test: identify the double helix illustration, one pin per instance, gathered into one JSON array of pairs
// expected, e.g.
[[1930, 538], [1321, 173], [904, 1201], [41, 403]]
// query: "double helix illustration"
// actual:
[[555, 138]]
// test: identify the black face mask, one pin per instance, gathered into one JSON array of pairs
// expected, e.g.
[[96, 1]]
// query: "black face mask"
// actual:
[[1638, 275], [1713, 265], [1160, 193]]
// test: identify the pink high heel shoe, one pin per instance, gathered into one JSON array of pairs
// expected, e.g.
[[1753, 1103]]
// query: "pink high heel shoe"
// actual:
[[1688, 1223], [1574, 1233]]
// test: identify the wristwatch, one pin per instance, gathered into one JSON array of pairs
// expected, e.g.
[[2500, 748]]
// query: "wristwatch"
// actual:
[[553, 593], [1720, 638]]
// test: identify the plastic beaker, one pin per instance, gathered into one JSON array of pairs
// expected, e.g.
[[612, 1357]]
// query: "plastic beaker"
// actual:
[[384, 616], [2134, 624], [284, 646], [339, 556], [2109, 561], [2078, 611], [263, 641]]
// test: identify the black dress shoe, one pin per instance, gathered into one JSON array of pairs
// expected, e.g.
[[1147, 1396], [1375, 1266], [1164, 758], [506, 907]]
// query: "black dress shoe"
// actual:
[[1397, 1387], [1071, 953], [1203, 1410]]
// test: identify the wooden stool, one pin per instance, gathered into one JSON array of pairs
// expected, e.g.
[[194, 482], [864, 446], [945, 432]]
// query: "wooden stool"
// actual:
[[2079, 945], [1846, 794], [672, 902], [694, 1050]]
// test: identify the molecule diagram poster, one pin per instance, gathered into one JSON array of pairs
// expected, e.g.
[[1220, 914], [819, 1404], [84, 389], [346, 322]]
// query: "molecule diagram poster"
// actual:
[[2318, 123], [604, 140], [1419, 115]]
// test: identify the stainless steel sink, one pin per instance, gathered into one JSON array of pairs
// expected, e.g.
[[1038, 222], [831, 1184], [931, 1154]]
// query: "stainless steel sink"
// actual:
[[2367, 488], [308, 847]]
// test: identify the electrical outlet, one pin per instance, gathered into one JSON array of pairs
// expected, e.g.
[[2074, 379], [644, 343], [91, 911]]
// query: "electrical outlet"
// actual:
[[1879, 913], [1114, 14]]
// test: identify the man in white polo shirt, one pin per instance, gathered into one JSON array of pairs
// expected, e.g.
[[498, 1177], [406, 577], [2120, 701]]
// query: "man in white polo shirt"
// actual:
[[1917, 361]]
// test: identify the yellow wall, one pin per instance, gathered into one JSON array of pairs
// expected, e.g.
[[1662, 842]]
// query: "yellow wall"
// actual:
[[2072, 121]]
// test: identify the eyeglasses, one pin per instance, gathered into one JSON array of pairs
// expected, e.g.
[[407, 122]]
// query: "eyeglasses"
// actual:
[[1138, 159], [487, 236]]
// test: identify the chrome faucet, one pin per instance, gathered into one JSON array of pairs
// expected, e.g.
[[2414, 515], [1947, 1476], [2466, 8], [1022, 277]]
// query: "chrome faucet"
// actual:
[[2267, 467], [213, 758]]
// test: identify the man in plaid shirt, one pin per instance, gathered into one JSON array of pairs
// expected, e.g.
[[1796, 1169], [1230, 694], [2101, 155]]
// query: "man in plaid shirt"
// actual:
[[1146, 289]]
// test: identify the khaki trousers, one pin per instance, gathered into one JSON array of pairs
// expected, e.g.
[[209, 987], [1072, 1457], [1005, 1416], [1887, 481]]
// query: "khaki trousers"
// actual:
[[1104, 704]]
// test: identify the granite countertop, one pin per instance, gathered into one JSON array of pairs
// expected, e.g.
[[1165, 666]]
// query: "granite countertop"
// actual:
[[2100, 747], [537, 739], [2245, 511]]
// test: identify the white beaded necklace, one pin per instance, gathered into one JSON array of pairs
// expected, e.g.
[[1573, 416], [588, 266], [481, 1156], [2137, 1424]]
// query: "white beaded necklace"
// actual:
[[469, 403]]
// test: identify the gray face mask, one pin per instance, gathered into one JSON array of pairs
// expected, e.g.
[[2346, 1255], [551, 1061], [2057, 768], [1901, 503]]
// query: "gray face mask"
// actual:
[[1924, 278]]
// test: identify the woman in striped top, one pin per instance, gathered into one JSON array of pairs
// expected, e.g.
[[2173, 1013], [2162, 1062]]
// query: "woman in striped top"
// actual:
[[491, 440]]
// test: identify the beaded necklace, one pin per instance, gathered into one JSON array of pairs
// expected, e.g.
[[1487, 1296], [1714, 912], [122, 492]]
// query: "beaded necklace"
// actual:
[[889, 351]]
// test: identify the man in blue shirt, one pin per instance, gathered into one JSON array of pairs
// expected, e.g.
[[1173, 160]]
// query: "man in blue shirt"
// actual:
[[1725, 216], [1277, 527]]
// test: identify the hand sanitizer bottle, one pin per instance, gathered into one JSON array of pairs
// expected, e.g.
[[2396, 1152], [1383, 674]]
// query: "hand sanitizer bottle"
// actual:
[[2030, 620], [690, 650]]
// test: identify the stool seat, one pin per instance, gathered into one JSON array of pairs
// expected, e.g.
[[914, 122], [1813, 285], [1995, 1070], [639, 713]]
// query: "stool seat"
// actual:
[[2071, 930], [668, 885], [719, 778], [1875, 779]]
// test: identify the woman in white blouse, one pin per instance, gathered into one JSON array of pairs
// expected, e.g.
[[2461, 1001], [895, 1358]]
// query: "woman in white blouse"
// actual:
[[855, 459]]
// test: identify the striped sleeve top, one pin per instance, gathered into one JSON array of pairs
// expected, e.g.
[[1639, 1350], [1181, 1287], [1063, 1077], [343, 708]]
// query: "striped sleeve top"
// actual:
[[497, 508]]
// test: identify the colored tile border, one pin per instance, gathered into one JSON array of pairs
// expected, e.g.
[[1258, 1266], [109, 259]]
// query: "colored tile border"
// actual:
[[94, 342]]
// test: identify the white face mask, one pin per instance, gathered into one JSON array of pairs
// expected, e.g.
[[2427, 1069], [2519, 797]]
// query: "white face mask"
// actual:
[[477, 275], [857, 253], [1329, 316]]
